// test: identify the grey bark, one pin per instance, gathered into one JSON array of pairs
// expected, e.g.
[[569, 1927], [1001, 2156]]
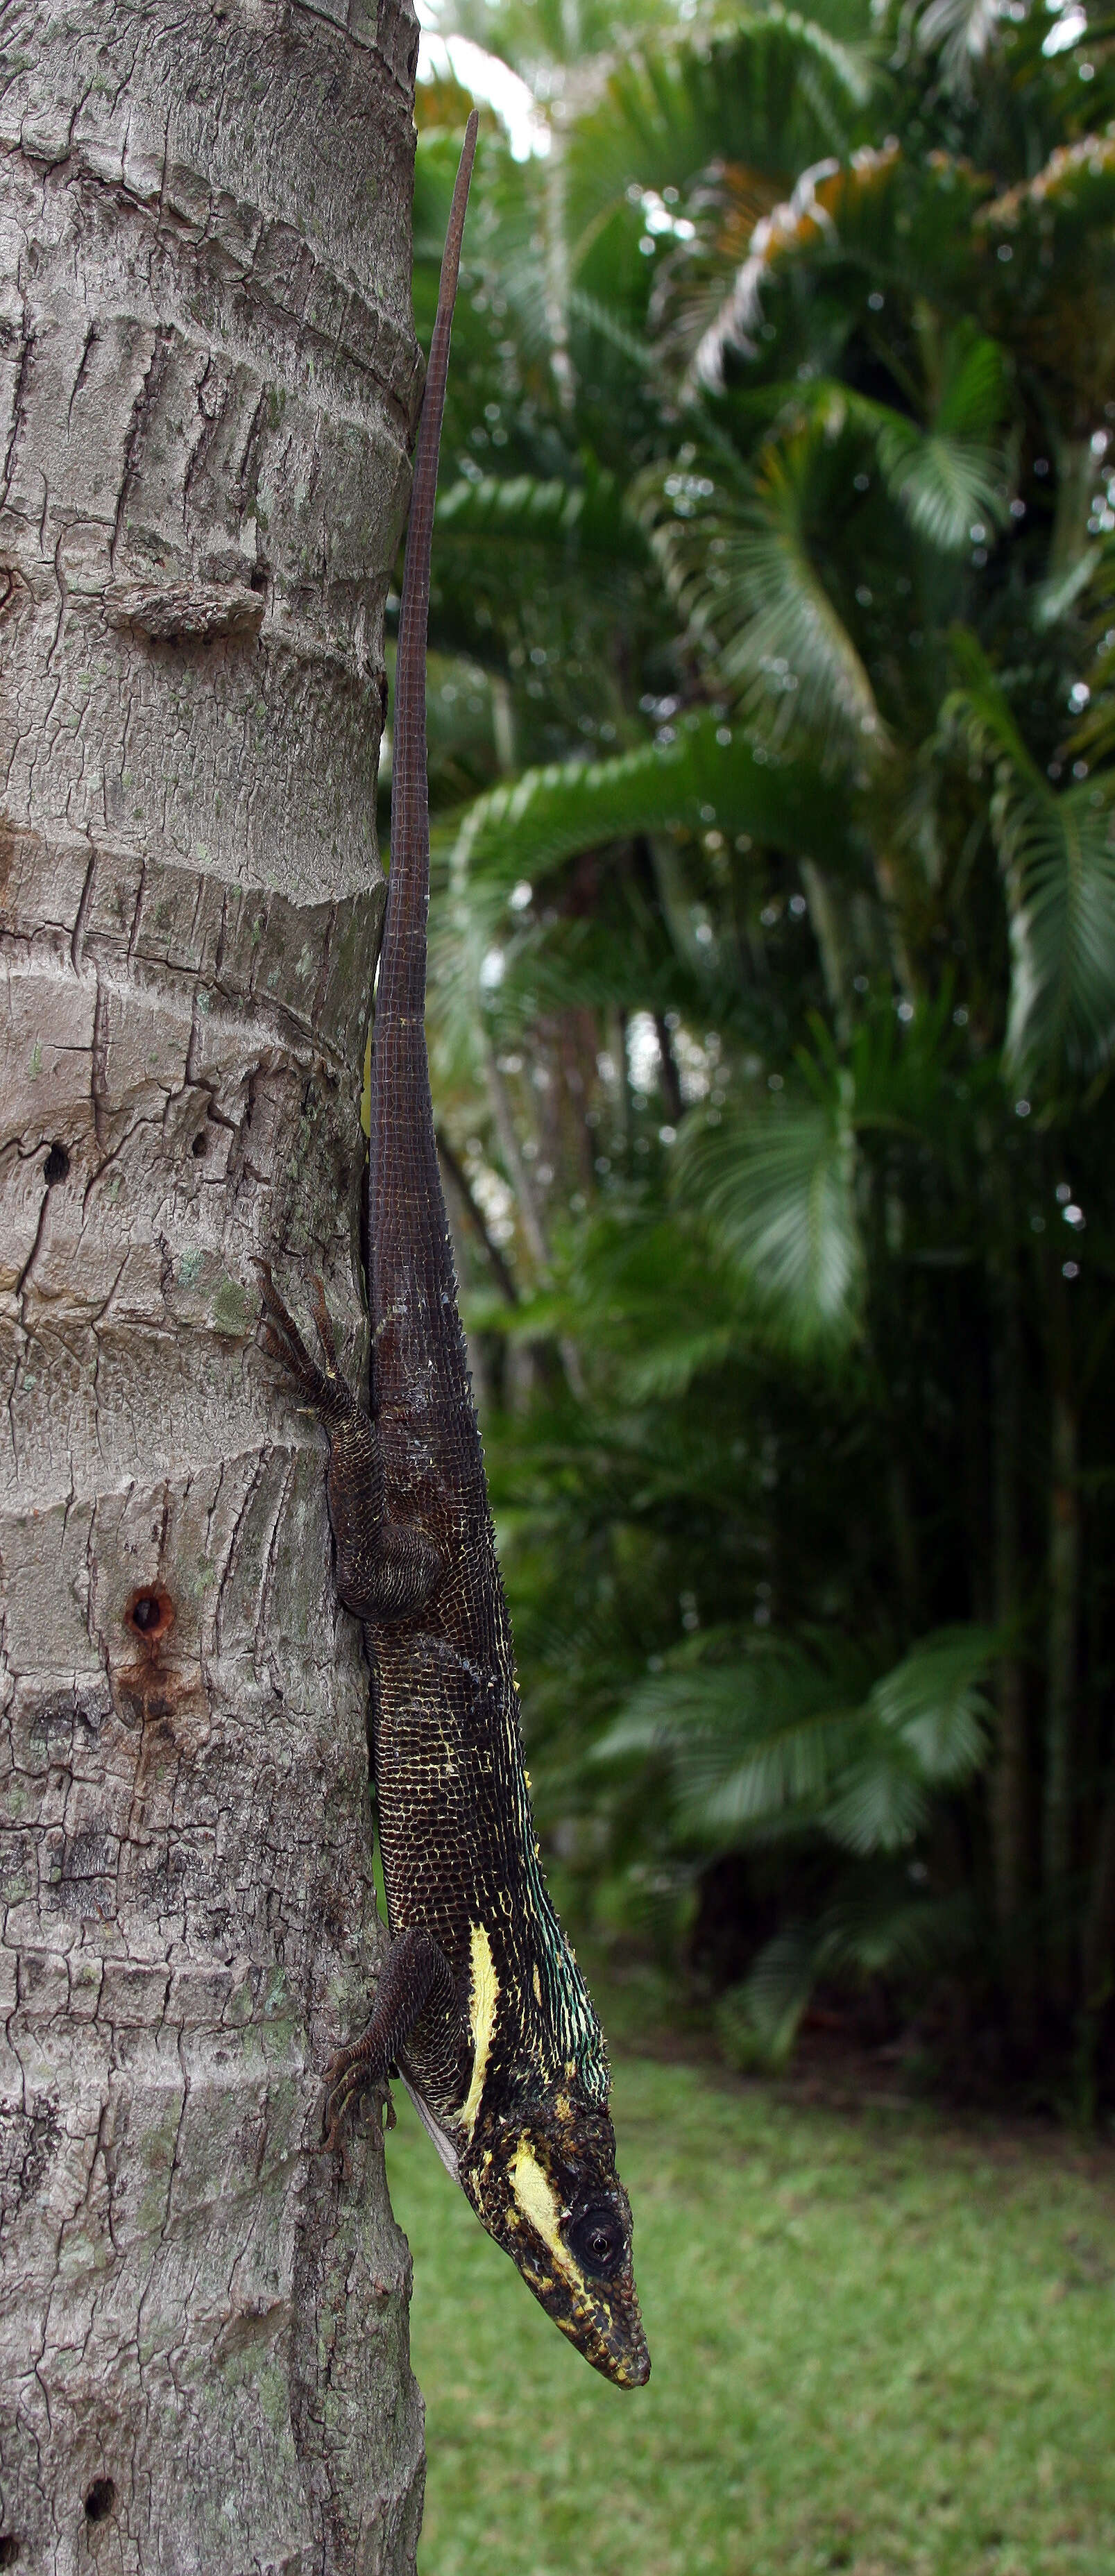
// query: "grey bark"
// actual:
[[208, 380]]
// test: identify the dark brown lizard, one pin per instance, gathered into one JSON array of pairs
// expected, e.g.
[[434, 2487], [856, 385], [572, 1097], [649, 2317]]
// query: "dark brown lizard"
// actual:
[[480, 2002]]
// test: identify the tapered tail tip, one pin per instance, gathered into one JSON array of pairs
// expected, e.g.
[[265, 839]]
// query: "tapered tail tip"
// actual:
[[468, 152]]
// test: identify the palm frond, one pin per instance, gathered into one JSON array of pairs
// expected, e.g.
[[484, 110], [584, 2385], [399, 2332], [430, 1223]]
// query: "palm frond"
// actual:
[[576, 520], [932, 1700], [1058, 855], [729, 85], [980, 713], [882, 1930], [882, 1804], [944, 486], [697, 770], [786, 1736], [949, 478], [824, 197], [961, 33], [888, 215], [1077, 183], [758, 2021], [739, 558], [777, 1184], [974, 389], [749, 1741]]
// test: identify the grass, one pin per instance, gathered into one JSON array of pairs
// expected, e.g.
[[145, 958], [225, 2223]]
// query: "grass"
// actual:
[[878, 2346]]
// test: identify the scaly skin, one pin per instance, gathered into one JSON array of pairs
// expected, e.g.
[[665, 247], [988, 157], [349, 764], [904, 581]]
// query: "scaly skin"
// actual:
[[480, 2002]]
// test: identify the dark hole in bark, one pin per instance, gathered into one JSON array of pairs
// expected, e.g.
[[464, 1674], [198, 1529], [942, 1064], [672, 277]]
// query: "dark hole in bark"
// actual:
[[55, 1168], [198, 1146], [9, 2549], [257, 580], [149, 1613], [100, 2500]]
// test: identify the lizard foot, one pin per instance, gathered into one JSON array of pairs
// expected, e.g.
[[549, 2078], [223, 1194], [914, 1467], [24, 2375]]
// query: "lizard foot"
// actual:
[[415, 1980], [349, 2074], [326, 1389]]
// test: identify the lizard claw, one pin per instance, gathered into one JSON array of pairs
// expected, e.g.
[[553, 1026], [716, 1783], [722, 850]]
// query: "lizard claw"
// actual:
[[324, 1324], [347, 2076], [283, 1342], [282, 1339]]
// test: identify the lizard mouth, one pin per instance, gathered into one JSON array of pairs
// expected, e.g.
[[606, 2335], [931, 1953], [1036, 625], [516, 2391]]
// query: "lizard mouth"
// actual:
[[629, 2365], [607, 2330]]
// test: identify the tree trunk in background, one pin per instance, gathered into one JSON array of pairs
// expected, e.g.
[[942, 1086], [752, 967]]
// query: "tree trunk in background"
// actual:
[[1010, 1800], [209, 378], [1099, 1920], [1064, 1595]]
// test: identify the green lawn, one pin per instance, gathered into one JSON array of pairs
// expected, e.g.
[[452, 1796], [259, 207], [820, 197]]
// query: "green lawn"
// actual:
[[877, 2346]]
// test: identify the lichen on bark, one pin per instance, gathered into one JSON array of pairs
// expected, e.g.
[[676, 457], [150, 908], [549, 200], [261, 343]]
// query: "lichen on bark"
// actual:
[[207, 380]]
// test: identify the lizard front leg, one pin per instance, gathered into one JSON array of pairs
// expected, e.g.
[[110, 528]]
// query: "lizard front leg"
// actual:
[[386, 1569], [417, 2008]]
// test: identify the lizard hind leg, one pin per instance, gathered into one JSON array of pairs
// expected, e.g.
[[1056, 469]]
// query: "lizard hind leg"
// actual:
[[386, 1569]]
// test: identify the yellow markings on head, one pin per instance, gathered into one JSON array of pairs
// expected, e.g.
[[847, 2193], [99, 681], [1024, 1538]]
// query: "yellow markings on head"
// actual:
[[538, 2202], [482, 2014], [537, 2199]]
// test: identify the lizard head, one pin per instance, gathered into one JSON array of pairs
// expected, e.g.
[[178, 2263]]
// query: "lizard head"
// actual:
[[545, 2187]]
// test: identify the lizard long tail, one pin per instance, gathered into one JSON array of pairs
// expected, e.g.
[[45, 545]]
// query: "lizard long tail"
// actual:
[[420, 1379], [402, 973]]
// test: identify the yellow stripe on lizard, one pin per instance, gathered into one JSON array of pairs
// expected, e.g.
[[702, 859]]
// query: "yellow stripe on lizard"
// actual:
[[482, 2012]]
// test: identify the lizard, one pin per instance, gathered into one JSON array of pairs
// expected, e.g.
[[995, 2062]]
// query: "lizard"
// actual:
[[480, 2005]]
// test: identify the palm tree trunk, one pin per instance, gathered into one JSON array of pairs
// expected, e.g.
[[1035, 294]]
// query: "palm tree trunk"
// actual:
[[669, 1077], [530, 1214], [529, 1210], [1099, 1923], [1064, 1589], [209, 376], [1010, 1811], [473, 1213]]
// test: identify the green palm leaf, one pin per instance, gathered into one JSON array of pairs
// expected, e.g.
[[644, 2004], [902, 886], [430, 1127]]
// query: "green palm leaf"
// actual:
[[576, 519], [784, 1737], [932, 1700], [696, 772], [739, 560], [962, 31], [777, 1185], [881, 1930], [949, 478], [926, 1727], [770, 88], [944, 486], [749, 1740], [1059, 858], [1057, 853]]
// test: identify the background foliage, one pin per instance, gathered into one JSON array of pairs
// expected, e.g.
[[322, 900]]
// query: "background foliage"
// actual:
[[773, 992]]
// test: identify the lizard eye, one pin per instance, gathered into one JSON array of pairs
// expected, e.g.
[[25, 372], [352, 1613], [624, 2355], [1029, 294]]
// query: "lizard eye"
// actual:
[[597, 2240]]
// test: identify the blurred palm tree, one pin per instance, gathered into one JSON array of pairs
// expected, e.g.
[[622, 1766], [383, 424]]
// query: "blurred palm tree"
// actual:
[[774, 959]]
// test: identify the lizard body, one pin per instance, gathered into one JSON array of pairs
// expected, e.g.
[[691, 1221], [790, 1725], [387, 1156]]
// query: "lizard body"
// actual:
[[480, 2003]]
